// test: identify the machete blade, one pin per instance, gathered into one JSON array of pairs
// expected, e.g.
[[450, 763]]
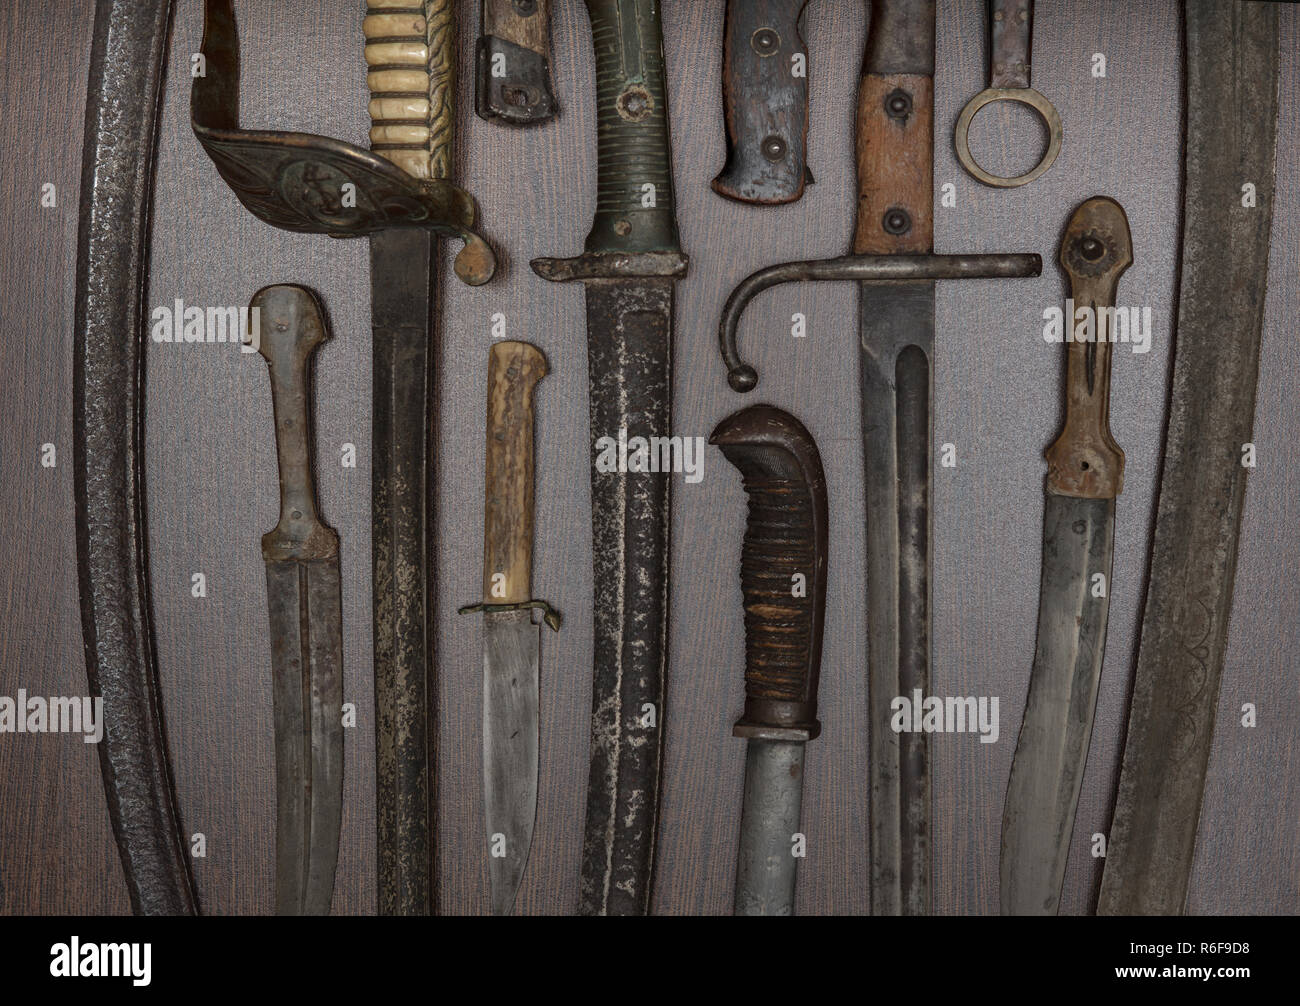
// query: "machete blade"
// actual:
[[511, 646], [1038, 819]]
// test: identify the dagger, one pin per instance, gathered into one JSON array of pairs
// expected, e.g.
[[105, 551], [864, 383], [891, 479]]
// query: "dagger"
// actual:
[[304, 603], [1085, 474], [783, 577], [513, 79], [894, 262], [510, 639], [397, 195], [631, 258], [764, 102]]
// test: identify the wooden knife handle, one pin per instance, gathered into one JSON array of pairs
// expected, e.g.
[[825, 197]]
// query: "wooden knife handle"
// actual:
[[782, 570], [411, 61], [514, 368], [1085, 461], [513, 82], [290, 327], [765, 104], [895, 131]]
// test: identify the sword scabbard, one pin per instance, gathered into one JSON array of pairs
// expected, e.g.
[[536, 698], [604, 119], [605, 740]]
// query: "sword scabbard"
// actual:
[[513, 82]]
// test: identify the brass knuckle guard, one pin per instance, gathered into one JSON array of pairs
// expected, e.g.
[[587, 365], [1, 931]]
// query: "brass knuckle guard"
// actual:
[[296, 181], [1085, 461]]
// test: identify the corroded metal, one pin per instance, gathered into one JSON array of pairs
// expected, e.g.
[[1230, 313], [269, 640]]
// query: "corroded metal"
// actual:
[[127, 61]]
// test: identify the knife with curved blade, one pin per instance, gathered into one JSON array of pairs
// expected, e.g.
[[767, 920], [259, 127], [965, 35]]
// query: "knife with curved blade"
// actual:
[[1085, 472]]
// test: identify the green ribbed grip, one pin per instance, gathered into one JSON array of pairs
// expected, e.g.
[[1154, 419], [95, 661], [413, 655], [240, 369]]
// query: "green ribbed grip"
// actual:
[[632, 144]]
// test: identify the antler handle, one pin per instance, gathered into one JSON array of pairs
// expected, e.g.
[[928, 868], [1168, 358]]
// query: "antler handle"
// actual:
[[782, 570]]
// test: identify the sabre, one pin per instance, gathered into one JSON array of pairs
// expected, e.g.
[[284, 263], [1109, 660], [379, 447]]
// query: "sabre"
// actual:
[[783, 577], [894, 262], [400, 197], [304, 604], [1085, 474], [631, 259]]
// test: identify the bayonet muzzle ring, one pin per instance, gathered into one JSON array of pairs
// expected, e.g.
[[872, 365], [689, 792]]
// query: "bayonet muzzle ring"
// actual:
[[1021, 95]]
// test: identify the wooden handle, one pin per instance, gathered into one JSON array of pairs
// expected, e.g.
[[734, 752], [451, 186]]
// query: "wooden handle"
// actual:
[[513, 83], [764, 103], [895, 131], [290, 328], [411, 61], [514, 368], [1085, 461]]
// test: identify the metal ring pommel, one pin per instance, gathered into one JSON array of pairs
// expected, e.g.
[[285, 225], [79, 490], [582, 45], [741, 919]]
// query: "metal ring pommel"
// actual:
[[1023, 96]]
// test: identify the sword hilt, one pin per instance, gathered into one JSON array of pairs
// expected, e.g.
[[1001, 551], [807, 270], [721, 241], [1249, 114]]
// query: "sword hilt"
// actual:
[[1085, 461], [514, 368], [290, 327], [765, 104], [514, 63], [782, 570]]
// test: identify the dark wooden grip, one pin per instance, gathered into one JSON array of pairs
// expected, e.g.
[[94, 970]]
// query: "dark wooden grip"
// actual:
[[514, 368], [1085, 461], [513, 81], [782, 569], [764, 103]]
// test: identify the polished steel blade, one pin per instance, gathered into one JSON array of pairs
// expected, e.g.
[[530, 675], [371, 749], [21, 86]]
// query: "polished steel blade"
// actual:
[[511, 645], [1038, 818], [897, 341], [765, 863], [307, 691]]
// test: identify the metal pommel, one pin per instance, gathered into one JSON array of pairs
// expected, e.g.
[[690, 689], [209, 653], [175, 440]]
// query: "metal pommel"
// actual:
[[314, 184], [864, 268], [782, 570]]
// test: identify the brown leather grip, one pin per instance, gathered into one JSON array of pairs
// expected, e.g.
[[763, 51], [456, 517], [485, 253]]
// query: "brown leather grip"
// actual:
[[514, 368], [1085, 461], [782, 569]]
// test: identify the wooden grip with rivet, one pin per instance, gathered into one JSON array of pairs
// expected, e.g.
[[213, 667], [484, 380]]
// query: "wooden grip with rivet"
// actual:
[[514, 368]]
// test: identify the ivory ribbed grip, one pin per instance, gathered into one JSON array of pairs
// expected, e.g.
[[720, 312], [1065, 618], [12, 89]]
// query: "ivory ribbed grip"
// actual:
[[411, 73], [514, 368]]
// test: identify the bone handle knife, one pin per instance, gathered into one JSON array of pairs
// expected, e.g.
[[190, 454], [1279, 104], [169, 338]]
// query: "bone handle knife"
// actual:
[[513, 83], [765, 102]]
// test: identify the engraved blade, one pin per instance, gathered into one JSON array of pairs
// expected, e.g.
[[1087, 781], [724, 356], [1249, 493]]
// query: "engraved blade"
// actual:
[[765, 864], [511, 647], [1052, 750], [305, 610]]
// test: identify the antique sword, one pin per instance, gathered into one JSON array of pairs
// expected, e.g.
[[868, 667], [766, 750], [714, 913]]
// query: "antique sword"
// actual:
[[127, 62], [783, 578], [631, 259], [314, 184], [513, 80], [1085, 472], [1231, 141], [894, 262], [305, 606], [511, 643], [764, 102]]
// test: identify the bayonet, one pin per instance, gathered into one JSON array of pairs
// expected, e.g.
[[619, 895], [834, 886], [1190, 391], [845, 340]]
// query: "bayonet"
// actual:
[[1085, 474], [304, 603], [893, 259], [1231, 141], [513, 83], [510, 639], [127, 63], [401, 197], [630, 262], [783, 578], [764, 102]]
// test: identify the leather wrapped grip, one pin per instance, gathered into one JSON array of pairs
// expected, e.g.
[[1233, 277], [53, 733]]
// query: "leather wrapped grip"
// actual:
[[634, 188], [782, 570]]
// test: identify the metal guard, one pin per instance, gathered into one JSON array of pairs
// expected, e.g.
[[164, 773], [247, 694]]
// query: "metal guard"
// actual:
[[294, 180], [549, 615]]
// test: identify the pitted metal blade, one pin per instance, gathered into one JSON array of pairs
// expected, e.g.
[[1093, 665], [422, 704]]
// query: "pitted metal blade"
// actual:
[[1043, 794], [511, 646], [765, 864], [307, 667]]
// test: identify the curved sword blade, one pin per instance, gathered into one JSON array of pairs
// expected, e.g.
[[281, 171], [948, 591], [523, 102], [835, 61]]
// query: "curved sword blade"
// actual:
[[1038, 818]]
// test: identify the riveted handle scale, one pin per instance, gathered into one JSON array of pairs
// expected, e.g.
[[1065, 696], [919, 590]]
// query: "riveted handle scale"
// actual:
[[634, 188], [782, 570], [513, 83], [514, 368]]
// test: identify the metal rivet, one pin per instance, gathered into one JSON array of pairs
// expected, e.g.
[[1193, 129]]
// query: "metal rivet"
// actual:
[[898, 104], [525, 8], [896, 221], [997, 15], [765, 41], [622, 228], [1091, 249], [774, 148]]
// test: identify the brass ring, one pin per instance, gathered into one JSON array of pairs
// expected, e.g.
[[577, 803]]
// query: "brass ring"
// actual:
[[1024, 96]]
